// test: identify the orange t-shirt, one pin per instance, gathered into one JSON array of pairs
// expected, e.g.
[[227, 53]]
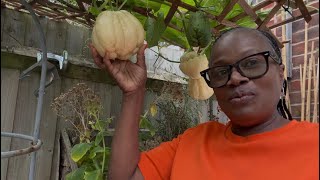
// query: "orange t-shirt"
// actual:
[[212, 151]]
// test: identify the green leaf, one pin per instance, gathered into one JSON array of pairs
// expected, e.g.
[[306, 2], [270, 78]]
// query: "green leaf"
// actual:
[[154, 5], [215, 7], [94, 151], [198, 30], [98, 139], [93, 175], [94, 11], [79, 150], [175, 37], [153, 109], [146, 124], [77, 174], [246, 22], [236, 10], [154, 29]]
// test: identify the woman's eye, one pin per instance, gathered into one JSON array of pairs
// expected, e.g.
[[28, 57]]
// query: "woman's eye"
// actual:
[[222, 72], [250, 63]]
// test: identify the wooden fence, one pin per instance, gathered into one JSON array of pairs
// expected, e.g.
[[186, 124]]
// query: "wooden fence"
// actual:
[[19, 44]]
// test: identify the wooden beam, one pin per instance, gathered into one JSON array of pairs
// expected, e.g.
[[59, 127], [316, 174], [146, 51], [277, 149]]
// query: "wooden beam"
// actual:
[[144, 12], [271, 14], [242, 15], [304, 11], [87, 17], [226, 10], [67, 143], [292, 19], [229, 23], [80, 4], [186, 6], [51, 5], [171, 12], [245, 6], [22, 6], [67, 4]]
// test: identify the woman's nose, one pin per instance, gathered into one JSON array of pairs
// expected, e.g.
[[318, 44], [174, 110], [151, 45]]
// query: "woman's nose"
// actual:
[[236, 78]]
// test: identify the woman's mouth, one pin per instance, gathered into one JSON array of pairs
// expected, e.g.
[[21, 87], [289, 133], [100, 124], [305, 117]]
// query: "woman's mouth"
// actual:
[[241, 98]]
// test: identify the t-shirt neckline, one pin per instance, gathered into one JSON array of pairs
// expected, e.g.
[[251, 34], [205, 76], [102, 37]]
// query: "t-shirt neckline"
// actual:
[[229, 135]]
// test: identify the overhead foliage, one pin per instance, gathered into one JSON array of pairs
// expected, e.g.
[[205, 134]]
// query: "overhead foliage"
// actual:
[[184, 26]]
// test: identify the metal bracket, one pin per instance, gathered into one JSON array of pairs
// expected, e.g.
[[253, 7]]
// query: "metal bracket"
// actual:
[[51, 68], [63, 61]]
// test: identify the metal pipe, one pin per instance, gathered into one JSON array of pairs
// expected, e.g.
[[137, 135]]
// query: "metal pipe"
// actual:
[[289, 46], [20, 151], [42, 85]]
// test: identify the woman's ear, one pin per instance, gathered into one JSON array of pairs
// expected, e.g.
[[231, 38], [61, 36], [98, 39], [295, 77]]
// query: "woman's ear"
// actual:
[[281, 71]]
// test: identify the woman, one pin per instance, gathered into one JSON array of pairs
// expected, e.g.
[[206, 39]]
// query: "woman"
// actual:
[[247, 75]]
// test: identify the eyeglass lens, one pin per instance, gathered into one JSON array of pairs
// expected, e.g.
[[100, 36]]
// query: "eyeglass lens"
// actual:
[[251, 67]]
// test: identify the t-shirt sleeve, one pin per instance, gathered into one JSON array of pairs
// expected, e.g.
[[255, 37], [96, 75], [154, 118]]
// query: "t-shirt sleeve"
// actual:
[[156, 164]]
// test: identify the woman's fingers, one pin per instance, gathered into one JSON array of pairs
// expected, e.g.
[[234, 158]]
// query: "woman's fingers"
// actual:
[[96, 57], [141, 57], [107, 62]]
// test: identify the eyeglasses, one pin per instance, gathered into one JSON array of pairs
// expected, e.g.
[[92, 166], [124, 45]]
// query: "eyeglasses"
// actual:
[[252, 67]]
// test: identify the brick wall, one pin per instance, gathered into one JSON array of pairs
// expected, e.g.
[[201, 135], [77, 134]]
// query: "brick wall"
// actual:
[[298, 43]]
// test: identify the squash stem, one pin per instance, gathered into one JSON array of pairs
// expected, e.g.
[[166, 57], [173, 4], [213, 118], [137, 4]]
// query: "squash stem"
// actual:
[[103, 144], [165, 57], [110, 4], [124, 2], [205, 48], [103, 5]]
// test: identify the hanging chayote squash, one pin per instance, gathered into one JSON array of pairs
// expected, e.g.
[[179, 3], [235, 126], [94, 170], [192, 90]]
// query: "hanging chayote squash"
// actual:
[[119, 33], [192, 64]]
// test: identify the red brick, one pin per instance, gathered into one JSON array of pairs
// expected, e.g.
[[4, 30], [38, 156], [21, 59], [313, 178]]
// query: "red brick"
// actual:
[[296, 61], [296, 111], [299, 36], [314, 3], [296, 72], [295, 97], [270, 23], [279, 31], [300, 24], [294, 86], [299, 48], [269, 7]]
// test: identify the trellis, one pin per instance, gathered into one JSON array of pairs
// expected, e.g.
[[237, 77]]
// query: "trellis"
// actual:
[[63, 9]]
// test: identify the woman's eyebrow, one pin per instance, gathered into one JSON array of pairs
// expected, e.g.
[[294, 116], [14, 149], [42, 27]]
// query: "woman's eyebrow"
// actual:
[[219, 62]]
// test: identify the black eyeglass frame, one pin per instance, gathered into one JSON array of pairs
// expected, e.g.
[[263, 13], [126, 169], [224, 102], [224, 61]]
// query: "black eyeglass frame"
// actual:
[[266, 55]]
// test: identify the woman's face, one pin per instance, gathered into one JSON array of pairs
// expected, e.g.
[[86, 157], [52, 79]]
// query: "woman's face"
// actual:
[[247, 102]]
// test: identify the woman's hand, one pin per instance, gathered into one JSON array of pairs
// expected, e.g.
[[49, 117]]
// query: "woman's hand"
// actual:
[[129, 76]]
